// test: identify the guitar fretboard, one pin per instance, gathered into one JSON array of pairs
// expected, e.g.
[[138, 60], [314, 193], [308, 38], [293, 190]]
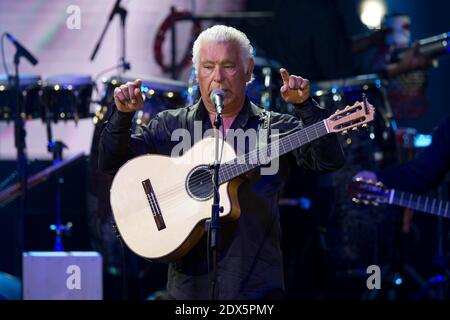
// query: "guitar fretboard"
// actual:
[[277, 148], [420, 203]]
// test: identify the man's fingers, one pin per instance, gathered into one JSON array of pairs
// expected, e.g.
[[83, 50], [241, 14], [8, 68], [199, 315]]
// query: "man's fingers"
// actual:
[[120, 106], [295, 89], [297, 83], [138, 83], [292, 82], [304, 83], [366, 175], [137, 90], [138, 95], [119, 95], [124, 89], [119, 99], [128, 97], [284, 75], [131, 88]]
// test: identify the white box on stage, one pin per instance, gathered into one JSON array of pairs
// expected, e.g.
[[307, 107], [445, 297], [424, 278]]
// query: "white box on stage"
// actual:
[[62, 275]]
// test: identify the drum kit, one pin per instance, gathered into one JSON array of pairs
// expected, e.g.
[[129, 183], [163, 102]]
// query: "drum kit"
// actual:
[[62, 97], [378, 146], [69, 97], [30, 86]]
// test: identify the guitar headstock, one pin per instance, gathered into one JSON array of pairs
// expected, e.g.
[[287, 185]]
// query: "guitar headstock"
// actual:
[[351, 117], [368, 192]]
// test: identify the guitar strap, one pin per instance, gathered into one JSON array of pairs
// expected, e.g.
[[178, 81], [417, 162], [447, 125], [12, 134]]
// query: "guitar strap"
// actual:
[[264, 131]]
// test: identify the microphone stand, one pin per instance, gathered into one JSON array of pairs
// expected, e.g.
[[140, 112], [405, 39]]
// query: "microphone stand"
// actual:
[[216, 208], [56, 148], [19, 138], [20, 144], [122, 12]]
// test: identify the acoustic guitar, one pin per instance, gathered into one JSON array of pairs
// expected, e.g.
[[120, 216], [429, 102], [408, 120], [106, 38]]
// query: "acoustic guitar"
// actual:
[[159, 202]]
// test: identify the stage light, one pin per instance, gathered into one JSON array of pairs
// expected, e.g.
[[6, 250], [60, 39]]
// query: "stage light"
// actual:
[[422, 140], [372, 12]]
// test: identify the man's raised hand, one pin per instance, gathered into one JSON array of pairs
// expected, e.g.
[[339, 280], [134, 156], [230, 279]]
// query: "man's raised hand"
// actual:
[[295, 89], [128, 97]]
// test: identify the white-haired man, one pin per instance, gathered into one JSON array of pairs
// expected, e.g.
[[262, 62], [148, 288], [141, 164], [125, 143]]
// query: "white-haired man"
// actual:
[[249, 256]]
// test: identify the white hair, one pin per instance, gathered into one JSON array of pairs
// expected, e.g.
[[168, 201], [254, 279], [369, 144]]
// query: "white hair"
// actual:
[[220, 33]]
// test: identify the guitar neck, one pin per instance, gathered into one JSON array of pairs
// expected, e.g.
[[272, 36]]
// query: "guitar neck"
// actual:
[[419, 203], [244, 163]]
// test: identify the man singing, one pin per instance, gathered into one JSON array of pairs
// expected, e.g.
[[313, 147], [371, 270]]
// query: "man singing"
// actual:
[[249, 257]]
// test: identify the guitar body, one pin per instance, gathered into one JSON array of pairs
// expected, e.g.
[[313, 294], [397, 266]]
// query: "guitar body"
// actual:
[[159, 203]]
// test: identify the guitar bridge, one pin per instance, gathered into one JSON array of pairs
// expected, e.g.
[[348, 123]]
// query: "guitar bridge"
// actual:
[[151, 197]]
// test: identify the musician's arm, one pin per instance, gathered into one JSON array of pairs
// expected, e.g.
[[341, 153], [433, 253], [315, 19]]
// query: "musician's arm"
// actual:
[[117, 145], [412, 60], [427, 170], [324, 154]]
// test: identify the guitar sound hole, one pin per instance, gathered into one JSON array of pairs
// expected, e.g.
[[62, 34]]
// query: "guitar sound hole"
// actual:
[[199, 183]]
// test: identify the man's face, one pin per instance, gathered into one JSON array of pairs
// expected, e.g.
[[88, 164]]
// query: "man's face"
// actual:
[[221, 67]]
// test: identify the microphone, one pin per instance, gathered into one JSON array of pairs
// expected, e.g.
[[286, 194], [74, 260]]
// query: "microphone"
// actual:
[[21, 50], [217, 97]]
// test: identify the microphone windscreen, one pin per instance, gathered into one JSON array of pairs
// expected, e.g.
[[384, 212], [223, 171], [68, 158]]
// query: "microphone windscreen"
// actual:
[[217, 92]]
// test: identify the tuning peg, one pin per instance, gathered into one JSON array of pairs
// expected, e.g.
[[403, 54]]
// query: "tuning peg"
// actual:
[[355, 128], [366, 202], [376, 204], [344, 132], [356, 200], [359, 179], [379, 184], [337, 110], [364, 125]]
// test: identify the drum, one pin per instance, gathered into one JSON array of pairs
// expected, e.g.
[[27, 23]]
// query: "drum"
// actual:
[[264, 89], [160, 94], [376, 146], [30, 86], [66, 97]]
